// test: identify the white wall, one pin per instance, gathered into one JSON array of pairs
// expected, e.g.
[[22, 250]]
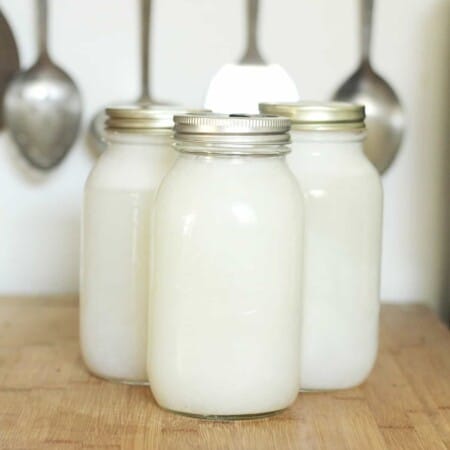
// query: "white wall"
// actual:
[[96, 42]]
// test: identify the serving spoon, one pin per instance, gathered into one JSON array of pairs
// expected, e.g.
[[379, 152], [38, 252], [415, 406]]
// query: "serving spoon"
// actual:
[[241, 87], [9, 58], [96, 134], [42, 107], [384, 114]]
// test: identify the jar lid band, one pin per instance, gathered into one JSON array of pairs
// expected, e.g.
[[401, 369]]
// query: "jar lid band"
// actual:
[[143, 117], [237, 129], [319, 116]]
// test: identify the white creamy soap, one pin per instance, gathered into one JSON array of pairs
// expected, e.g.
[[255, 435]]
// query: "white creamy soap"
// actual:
[[225, 309], [343, 210], [115, 261]]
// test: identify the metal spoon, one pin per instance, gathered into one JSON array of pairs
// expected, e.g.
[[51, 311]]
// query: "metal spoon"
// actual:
[[9, 58], [242, 86], [385, 119], [96, 129], [43, 107]]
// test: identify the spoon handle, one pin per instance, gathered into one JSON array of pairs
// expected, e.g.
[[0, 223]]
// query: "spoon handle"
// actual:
[[145, 51], [252, 55], [42, 28], [366, 25]]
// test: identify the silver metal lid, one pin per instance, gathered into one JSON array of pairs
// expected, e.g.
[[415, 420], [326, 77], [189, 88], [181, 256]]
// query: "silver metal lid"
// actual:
[[139, 118], [319, 116], [239, 129]]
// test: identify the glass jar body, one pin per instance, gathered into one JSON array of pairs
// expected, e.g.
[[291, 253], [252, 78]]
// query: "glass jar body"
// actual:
[[343, 215], [225, 300], [114, 264]]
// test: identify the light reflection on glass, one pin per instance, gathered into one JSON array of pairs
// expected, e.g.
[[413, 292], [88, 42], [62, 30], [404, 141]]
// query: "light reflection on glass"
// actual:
[[188, 222], [316, 193], [243, 213]]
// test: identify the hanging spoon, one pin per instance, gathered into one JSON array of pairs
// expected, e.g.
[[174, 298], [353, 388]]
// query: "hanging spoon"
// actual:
[[9, 58], [242, 86], [385, 121], [43, 107], [96, 128]]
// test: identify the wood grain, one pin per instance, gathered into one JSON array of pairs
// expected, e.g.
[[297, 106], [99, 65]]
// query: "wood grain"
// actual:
[[49, 401]]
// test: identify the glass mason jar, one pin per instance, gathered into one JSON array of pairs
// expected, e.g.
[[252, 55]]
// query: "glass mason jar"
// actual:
[[343, 215], [114, 265], [225, 293]]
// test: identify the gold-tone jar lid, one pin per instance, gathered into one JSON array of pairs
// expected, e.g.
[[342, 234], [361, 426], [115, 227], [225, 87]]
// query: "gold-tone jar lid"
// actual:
[[142, 118], [319, 116], [232, 129]]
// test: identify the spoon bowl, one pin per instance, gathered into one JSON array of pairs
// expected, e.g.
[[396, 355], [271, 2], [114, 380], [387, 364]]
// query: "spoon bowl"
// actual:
[[42, 111], [384, 115], [9, 59], [96, 132], [42, 107]]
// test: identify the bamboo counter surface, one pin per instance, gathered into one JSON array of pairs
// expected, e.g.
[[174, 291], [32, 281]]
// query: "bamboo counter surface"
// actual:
[[49, 401]]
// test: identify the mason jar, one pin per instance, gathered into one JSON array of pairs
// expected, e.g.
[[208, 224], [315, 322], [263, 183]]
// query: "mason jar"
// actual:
[[343, 214], [225, 316], [118, 200]]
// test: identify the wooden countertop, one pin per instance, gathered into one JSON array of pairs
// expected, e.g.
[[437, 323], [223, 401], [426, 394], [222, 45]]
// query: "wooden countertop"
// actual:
[[49, 401]]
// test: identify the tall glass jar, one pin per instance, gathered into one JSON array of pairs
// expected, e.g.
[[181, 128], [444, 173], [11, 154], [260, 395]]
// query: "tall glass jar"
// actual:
[[225, 297], [116, 219], [343, 214]]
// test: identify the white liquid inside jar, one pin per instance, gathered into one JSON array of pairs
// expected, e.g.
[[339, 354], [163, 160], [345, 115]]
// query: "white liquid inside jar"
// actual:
[[115, 263], [343, 212], [225, 302]]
